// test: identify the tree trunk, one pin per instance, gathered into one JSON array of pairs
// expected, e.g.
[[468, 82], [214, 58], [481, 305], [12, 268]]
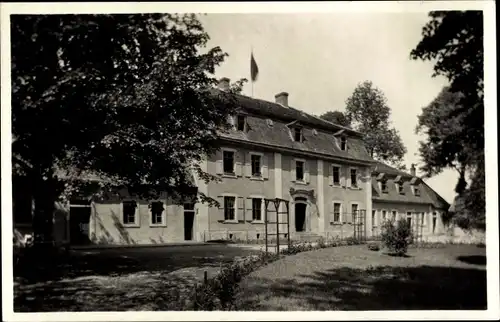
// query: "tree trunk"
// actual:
[[44, 196]]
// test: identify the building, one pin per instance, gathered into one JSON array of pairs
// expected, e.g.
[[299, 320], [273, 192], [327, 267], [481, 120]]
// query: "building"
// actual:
[[273, 151], [397, 194]]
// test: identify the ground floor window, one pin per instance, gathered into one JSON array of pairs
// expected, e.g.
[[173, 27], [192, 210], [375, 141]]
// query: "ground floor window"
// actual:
[[434, 218], [229, 208], [336, 212], [156, 210], [256, 209], [129, 208]]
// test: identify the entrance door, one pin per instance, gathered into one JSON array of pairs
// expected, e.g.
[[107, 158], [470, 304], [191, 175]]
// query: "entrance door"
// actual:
[[300, 216], [188, 221], [79, 219]]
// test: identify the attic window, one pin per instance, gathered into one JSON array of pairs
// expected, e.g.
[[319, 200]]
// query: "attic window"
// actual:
[[383, 186], [343, 143], [399, 186], [416, 191], [241, 123], [297, 134], [269, 122]]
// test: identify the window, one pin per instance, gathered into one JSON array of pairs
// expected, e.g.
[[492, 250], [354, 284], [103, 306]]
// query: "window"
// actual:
[[354, 178], [241, 122], [228, 157], [434, 218], [394, 215], [383, 186], [336, 176], [374, 213], [299, 170], [256, 209], [256, 170], [229, 208], [297, 134], [416, 191], [400, 188], [384, 215], [129, 208], [354, 208], [408, 217], [336, 212], [156, 209], [343, 143]]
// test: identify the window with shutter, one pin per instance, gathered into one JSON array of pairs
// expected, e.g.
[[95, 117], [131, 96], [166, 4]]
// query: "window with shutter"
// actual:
[[229, 208], [228, 162], [336, 175], [257, 209], [256, 165], [337, 206]]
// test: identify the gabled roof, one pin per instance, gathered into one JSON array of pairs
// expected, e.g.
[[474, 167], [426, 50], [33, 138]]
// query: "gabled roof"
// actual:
[[288, 113], [321, 141], [427, 195]]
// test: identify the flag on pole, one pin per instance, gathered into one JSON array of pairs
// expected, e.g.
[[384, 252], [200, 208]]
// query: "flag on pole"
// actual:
[[254, 70]]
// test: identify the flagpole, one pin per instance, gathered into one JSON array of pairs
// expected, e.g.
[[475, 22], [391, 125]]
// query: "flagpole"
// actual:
[[251, 79]]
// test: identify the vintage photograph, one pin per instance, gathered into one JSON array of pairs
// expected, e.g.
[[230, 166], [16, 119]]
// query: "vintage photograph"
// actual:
[[323, 161]]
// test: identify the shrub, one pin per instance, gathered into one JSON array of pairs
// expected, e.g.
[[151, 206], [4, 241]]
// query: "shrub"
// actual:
[[374, 246], [396, 236]]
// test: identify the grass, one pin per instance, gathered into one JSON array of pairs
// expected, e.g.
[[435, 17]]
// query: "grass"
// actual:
[[356, 278], [152, 279]]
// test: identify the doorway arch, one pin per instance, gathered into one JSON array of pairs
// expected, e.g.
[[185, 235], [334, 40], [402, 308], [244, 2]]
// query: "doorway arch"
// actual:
[[301, 214]]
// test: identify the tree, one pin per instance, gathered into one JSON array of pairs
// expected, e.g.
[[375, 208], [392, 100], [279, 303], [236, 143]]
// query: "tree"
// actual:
[[127, 99], [368, 112], [454, 41], [336, 117]]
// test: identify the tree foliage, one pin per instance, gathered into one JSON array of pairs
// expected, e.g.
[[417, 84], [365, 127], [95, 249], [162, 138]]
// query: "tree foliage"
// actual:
[[127, 99], [336, 117], [369, 113], [454, 121]]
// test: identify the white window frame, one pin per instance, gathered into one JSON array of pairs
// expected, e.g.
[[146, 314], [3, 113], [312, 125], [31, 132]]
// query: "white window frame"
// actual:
[[386, 186], [400, 184], [224, 174], [334, 165], [262, 208], [137, 221], [340, 143], [292, 130], [244, 122], [394, 214], [163, 214], [350, 208], [358, 186], [236, 215], [261, 155], [341, 215], [382, 219], [303, 181]]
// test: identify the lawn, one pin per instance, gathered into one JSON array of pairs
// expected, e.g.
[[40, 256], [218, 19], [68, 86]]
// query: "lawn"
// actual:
[[354, 278], [151, 279]]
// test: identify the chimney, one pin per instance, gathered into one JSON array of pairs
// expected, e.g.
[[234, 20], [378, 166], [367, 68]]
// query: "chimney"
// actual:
[[412, 169], [224, 84], [282, 98]]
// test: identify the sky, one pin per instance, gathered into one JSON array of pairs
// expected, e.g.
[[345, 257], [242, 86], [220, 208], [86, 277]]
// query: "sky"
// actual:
[[319, 59]]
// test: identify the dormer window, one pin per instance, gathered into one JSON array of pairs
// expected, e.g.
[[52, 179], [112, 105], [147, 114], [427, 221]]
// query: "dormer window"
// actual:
[[416, 191], [297, 134], [240, 123], [399, 186], [343, 143], [383, 186]]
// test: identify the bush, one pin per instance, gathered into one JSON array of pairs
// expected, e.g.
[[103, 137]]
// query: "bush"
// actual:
[[374, 246], [396, 236]]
